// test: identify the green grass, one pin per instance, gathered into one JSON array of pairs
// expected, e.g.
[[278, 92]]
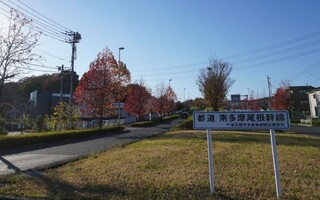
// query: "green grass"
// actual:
[[144, 124], [186, 124], [175, 166]]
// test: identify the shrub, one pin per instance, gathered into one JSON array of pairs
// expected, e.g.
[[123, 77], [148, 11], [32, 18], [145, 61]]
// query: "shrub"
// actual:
[[40, 123], [2, 126], [316, 123], [185, 125], [143, 124], [169, 118]]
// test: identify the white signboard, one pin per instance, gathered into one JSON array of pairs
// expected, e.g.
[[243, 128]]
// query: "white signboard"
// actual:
[[58, 95], [242, 120], [118, 105]]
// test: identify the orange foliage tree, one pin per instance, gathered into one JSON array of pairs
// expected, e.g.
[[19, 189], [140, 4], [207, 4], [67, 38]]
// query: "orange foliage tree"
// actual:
[[164, 102], [137, 99], [281, 99], [101, 86], [170, 97], [253, 104]]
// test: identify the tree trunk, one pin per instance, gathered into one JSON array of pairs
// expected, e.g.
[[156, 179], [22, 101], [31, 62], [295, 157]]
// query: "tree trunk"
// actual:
[[1, 88], [100, 122]]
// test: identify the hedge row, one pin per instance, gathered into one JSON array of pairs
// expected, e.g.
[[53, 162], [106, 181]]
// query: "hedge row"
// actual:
[[185, 125], [155, 122], [144, 124]]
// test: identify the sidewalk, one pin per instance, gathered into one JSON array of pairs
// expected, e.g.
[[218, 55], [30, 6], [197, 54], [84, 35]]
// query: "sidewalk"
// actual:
[[310, 130], [47, 156]]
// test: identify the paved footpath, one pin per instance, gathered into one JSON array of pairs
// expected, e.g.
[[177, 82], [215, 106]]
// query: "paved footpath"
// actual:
[[310, 130], [39, 157]]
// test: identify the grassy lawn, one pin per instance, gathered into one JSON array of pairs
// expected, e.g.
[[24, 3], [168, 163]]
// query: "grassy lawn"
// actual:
[[175, 166]]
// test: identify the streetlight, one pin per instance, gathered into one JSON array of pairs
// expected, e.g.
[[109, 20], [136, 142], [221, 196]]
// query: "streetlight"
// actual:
[[120, 48], [170, 81]]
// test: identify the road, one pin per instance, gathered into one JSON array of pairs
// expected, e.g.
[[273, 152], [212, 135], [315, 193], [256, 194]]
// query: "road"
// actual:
[[310, 130], [39, 157]]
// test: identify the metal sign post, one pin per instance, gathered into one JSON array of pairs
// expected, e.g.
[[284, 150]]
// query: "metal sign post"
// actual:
[[243, 120], [275, 163], [210, 161]]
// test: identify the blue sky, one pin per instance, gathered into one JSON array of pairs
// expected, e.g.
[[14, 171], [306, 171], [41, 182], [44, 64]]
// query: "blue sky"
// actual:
[[173, 39]]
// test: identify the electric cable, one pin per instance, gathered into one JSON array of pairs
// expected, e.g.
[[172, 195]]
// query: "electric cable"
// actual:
[[63, 27], [52, 55]]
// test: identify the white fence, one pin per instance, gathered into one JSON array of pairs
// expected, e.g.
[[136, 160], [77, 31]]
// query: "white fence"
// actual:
[[307, 121]]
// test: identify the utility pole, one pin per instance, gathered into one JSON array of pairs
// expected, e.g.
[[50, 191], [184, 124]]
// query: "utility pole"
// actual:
[[61, 69], [119, 110], [76, 37], [269, 89]]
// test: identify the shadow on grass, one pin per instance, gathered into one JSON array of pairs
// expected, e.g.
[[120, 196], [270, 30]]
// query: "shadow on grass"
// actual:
[[9, 164], [58, 189], [250, 137]]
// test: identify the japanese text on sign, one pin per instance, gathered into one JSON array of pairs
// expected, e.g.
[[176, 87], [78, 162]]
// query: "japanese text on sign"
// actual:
[[241, 120]]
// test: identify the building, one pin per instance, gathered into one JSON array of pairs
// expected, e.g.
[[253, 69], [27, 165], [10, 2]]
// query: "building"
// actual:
[[314, 102], [42, 102], [13, 113], [299, 101], [238, 102], [242, 102]]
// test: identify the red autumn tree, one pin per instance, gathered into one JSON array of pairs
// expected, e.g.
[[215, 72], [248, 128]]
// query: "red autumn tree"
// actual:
[[101, 86], [153, 105], [281, 99], [170, 97], [165, 99], [137, 99], [159, 101], [253, 104]]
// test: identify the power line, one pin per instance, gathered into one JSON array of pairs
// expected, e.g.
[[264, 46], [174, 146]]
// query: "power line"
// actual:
[[63, 27], [43, 66], [309, 68], [173, 67], [52, 55], [43, 28], [304, 53], [47, 25], [312, 51], [36, 70], [279, 52], [3, 13], [277, 45], [259, 57]]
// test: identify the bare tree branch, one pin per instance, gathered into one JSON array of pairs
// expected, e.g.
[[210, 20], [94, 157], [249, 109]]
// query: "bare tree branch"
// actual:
[[16, 47]]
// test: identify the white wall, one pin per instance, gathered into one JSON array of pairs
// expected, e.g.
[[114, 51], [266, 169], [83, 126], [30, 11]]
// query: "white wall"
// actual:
[[314, 102]]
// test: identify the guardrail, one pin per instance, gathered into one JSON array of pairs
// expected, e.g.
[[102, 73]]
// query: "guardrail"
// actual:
[[307, 122]]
